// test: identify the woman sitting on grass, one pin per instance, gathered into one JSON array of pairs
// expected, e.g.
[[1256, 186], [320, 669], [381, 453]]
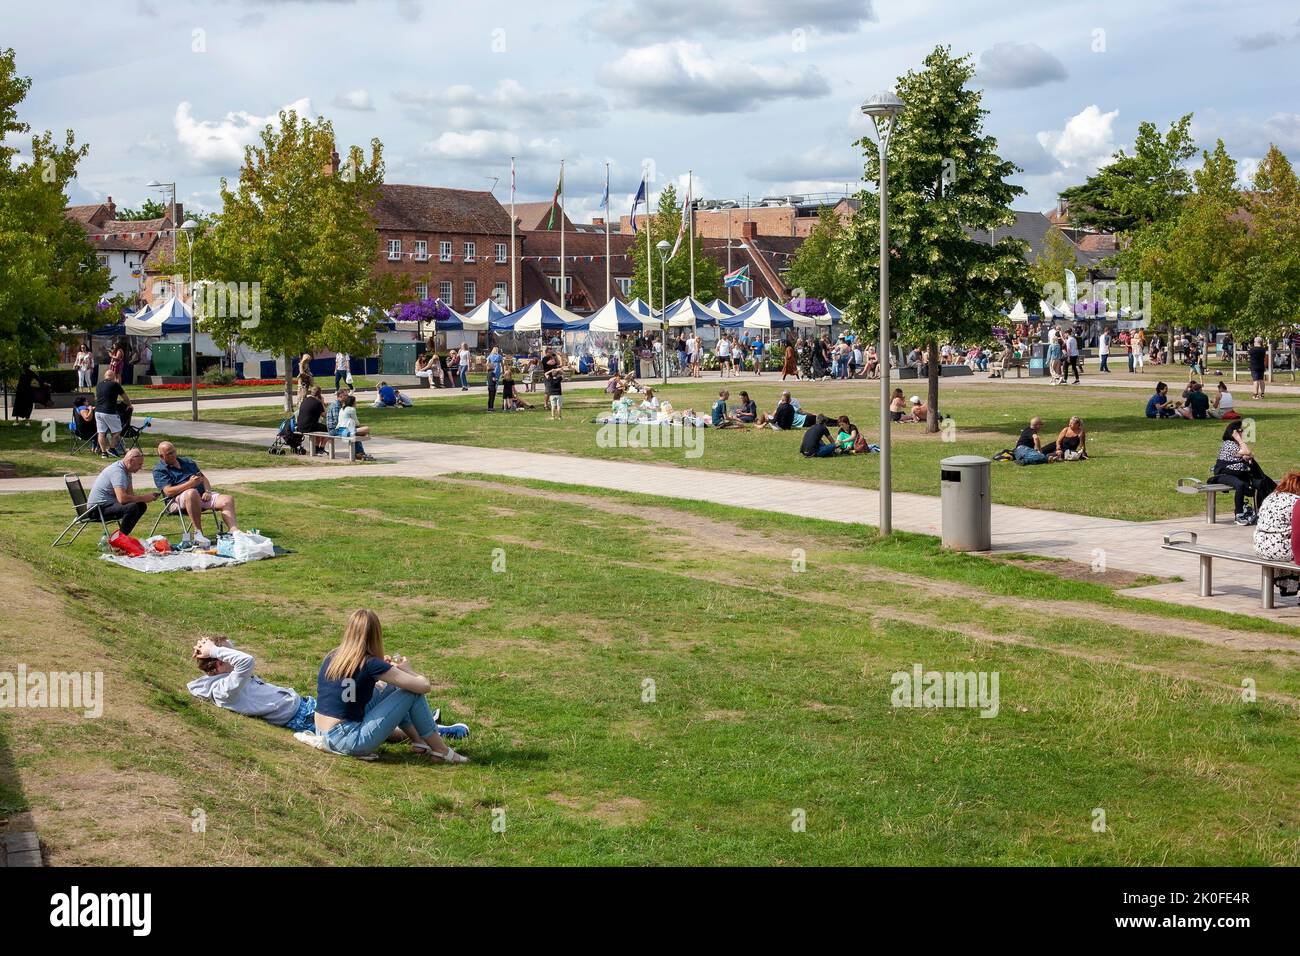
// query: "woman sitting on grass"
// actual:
[[363, 695], [897, 406], [1071, 443], [849, 439]]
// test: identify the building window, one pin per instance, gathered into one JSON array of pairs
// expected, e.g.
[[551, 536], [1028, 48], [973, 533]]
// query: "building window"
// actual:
[[555, 284], [421, 251], [624, 284], [444, 252], [469, 252], [422, 290], [471, 293], [103, 260], [444, 291], [501, 293], [501, 252], [394, 249], [161, 290]]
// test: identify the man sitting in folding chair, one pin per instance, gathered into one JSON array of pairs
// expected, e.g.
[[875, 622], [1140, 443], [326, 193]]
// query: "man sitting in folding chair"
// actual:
[[187, 492], [113, 496]]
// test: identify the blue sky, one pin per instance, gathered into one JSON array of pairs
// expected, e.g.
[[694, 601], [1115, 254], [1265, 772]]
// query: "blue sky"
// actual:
[[758, 97]]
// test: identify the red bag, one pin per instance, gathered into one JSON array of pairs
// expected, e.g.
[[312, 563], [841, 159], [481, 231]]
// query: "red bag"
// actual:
[[162, 546], [128, 545]]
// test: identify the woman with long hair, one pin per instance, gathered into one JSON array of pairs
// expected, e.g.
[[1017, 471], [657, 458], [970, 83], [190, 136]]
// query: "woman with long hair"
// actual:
[[363, 695]]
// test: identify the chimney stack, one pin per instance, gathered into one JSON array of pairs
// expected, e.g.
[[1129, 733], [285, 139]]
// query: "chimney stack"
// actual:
[[749, 230], [598, 221], [180, 214], [332, 167], [112, 208]]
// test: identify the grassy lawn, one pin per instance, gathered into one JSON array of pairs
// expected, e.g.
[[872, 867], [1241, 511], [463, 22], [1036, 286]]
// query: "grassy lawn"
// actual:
[[32, 457], [1134, 461], [769, 653]]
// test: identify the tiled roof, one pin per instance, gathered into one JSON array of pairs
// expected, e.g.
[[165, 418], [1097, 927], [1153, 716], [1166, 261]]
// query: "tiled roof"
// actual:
[[534, 215], [434, 209], [585, 262], [1031, 228]]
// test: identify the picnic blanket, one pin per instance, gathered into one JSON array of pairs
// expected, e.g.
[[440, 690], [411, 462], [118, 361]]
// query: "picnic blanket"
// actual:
[[152, 562]]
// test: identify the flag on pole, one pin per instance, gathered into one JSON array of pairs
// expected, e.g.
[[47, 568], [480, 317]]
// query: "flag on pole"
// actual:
[[681, 227], [640, 198], [739, 277], [604, 202], [559, 193]]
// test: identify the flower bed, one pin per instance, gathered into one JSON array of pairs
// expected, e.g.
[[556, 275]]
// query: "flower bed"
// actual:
[[240, 382]]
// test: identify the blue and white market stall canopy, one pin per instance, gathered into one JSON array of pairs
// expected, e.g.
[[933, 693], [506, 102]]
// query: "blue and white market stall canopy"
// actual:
[[616, 316], [765, 314], [540, 315]]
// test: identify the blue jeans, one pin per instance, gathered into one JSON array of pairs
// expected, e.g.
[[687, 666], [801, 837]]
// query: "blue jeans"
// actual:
[[463, 376], [343, 433], [388, 709], [340, 375]]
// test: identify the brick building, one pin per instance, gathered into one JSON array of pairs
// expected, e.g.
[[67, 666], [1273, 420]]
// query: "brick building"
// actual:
[[791, 217], [584, 269], [451, 244], [131, 249]]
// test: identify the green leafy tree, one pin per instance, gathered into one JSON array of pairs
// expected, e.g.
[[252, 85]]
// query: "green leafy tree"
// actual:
[[945, 285], [306, 237], [1048, 269], [1197, 261], [1133, 191], [1273, 272], [149, 209], [676, 274], [814, 268], [50, 279]]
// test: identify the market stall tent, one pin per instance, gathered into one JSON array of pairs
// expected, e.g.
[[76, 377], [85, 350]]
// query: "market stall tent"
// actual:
[[766, 314], [692, 312], [540, 315], [616, 316]]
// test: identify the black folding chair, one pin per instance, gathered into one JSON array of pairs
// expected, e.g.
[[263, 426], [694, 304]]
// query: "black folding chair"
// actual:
[[186, 526], [81, 435], [131, 434], [84, 516]]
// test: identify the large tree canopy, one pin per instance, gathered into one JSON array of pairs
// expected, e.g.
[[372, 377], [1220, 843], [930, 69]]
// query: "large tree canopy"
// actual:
[[945, 179], [50, 279], [306, 237]]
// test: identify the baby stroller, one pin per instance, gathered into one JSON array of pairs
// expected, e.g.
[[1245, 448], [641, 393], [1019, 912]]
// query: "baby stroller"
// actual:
[[287, 438]]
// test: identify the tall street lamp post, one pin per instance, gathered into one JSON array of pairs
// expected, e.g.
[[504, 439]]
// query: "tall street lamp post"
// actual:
[[189, 228], [883, 108], [663, 247]]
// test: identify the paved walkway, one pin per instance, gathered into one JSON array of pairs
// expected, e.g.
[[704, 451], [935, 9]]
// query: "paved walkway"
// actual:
[[1118, 545]]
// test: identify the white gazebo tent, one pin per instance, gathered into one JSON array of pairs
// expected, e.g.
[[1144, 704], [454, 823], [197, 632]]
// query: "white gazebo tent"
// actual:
[[616, 316], [765, 314], [691, 312]]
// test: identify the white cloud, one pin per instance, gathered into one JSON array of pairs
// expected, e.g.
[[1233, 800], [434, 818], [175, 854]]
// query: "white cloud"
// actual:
[[634, 22], [358, 100], [680, 77], [1019, 66], [464, 107], [491, 145], [217, 146], [1246, 134], [1086, 143]]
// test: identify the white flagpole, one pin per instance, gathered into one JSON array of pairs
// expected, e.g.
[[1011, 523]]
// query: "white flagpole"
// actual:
[[728, 254], [559, 201], [649, 269], [609, 288], [690, 224], [514, 276]]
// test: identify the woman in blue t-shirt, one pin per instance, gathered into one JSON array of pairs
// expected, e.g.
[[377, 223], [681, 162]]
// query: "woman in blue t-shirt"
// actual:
[[363, 695]]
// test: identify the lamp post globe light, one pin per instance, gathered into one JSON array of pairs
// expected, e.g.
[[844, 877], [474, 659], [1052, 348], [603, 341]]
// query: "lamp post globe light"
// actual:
[[663, 247], [883, 108], [189, 228]]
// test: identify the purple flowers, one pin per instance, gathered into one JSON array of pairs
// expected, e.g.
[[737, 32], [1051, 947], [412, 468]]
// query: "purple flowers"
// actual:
[[806, 306], [421, 310]]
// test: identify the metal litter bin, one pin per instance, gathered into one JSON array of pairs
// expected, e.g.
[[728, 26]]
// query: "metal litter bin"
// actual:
[[964, 502]]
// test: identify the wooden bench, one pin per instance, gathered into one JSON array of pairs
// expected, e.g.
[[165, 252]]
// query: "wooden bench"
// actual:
[[1211, 490], [352, 442], [1185, 543], [1001, 368]]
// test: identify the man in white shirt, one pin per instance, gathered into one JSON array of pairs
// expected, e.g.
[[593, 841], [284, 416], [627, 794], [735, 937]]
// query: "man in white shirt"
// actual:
[[724, 356], [1103, 350], [1071, 357], [342, 361]]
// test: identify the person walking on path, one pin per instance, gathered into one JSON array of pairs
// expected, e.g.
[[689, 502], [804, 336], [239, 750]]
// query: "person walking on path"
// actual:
[[1257, 355], [342, 361], [1103, 351]]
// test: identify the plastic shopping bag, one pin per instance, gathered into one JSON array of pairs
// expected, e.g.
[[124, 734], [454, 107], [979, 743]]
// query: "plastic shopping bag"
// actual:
[[128, 545], [250, 546]]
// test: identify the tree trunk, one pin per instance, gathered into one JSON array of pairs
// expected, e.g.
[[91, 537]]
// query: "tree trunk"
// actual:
[[932, 389], [288, 386]]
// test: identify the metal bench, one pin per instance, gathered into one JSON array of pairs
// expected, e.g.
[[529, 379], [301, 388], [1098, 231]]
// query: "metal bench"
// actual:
[[1185, 543], [1211, 490]]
